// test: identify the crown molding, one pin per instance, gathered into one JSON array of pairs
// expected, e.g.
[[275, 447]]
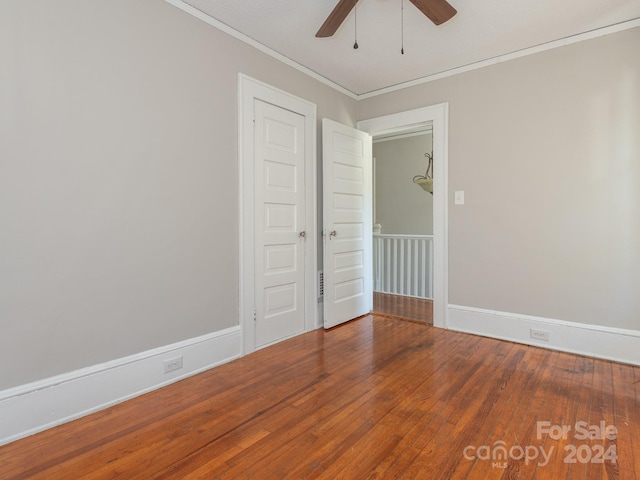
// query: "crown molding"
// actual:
[[259, 46], [580, 37]]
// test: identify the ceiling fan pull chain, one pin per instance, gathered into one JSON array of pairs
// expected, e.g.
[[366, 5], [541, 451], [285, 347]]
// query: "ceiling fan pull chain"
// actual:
[[402, 26], [355, 27]]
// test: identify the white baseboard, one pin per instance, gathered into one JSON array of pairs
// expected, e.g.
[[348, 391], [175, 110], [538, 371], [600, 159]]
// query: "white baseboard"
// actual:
[[34, 407], [597, 341]]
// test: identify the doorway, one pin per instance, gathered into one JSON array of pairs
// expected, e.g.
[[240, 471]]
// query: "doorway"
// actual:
[[403, 224], [437, 115]]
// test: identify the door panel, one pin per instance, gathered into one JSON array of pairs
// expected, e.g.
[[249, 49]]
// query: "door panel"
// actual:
[[279, 219], [347, 223]]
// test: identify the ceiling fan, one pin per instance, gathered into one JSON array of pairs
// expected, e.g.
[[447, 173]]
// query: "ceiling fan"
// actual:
[[438, 11]]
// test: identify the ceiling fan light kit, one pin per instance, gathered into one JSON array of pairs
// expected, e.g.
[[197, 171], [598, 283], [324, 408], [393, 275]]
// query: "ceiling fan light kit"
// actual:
[[438, 11]]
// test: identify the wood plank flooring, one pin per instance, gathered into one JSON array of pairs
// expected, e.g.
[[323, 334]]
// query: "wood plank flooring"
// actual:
[[377, 398], [406, 308]]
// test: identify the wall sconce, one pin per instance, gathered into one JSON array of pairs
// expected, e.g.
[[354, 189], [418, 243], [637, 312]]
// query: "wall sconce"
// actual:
[[426, 181]]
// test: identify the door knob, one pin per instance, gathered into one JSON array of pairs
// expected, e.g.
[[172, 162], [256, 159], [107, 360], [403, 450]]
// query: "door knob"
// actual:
[[302, 234], [333, 233]]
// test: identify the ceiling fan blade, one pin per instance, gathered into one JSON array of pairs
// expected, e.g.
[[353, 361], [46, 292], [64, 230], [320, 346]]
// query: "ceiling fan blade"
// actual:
[[438, 11], [336, 17]]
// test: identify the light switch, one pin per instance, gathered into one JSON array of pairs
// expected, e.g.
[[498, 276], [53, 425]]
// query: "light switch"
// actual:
[[458, 197]]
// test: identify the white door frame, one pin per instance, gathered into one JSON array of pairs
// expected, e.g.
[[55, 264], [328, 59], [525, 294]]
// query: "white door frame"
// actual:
[[250, 89], [438, 115]]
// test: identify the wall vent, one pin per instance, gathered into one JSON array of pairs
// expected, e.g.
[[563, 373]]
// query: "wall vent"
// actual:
[[320, 283]]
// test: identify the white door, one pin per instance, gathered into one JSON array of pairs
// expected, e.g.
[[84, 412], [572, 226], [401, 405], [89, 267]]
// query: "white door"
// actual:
[[279, 153], [347, 203]]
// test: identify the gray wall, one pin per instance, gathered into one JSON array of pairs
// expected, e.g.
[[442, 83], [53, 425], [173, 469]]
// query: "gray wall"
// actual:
[[547, 150], [118, 178], [401, 206]]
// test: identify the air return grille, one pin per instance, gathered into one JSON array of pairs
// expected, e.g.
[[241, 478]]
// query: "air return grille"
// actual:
[[320, 283]]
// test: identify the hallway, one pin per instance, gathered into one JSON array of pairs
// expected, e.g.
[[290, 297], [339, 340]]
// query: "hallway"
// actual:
[[409, 308]]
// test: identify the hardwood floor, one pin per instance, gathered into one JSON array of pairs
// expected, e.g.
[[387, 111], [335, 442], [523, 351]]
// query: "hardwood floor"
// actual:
[[407, 308], [377, 398]]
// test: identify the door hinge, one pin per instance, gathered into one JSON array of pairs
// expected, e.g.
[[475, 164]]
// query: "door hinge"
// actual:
[[255, 314]]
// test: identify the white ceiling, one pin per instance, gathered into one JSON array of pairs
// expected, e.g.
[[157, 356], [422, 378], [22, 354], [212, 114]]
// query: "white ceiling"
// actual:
[[482, 30]]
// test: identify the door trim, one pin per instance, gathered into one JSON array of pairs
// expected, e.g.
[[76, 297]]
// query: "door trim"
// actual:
[[250, 89], [398, 122]]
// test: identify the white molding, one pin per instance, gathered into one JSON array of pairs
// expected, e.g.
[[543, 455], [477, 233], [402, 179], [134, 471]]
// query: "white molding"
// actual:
[[580, 37], [40, 405], [438, 116], [258, 46], [615, 344], [250, 89], [398, 136]]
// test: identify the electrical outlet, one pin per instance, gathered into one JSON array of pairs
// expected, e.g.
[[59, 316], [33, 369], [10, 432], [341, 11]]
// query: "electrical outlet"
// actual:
[[539, 334], [173, 364]]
